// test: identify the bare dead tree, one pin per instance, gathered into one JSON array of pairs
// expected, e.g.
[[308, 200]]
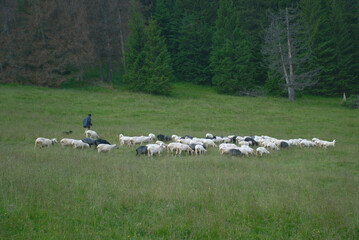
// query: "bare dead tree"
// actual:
[[122, 41], [286, 53], [74, 33], [103, 19]]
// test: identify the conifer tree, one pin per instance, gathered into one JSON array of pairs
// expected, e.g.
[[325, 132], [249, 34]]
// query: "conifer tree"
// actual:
[[231, 57], [157, 69], [134, 53]]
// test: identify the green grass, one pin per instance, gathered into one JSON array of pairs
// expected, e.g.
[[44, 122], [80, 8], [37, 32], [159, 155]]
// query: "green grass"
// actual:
[[60, 193]]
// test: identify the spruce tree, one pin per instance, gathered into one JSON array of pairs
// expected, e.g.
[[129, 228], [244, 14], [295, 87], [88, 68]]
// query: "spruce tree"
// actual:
[[194, 40], [157, 69], [135, 51], [231, 58], [333, 44]]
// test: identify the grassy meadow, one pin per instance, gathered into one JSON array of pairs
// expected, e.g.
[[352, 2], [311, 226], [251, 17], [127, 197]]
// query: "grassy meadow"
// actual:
[[64, 193]]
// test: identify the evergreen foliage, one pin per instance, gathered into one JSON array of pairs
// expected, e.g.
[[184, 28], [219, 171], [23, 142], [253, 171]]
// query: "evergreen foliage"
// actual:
[[231, 60], [135, 51], [149, 62], [208, 42]]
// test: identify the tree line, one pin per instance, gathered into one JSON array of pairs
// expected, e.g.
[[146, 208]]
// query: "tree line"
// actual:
[[238, 46]]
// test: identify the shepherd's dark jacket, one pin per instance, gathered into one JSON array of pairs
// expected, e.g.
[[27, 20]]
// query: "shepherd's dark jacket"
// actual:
[[87, 122]]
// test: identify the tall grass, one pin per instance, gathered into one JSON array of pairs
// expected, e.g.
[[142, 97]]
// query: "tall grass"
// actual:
[[63, 193]]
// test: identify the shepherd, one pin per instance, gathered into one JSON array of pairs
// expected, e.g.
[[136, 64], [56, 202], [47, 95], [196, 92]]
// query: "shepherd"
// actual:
[[87, 122]]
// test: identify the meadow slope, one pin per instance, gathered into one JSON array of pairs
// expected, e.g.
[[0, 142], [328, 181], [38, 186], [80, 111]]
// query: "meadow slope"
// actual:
[[60, 193]]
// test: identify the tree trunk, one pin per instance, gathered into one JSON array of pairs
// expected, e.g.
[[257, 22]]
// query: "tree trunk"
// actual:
[[109, 60], [109, 71], [122, 43], [290, 61], [101, 72], [287, 80], [81, 75]]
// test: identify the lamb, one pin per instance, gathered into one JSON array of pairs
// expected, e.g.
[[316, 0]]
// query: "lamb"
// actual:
[[66, 142], [80, 144], [91, 133], [44, 142], [106, 147], [261, 151], [199, 150], [141, 150]]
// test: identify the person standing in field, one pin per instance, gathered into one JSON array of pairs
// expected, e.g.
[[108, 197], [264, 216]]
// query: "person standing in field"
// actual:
[[87, 122]]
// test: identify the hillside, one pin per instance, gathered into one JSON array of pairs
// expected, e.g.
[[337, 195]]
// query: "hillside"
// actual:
[[67, 193]]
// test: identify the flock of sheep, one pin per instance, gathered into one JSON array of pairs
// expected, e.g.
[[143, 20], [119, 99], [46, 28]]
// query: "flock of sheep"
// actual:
[[229, 145]]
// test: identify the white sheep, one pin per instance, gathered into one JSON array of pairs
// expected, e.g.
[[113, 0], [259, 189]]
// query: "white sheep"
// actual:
[[329, 144], [175, 137], [246, 150], [79, 144], [152, 136], [153, 149], [91, 134], [271, 145], [106, 147], [242, 143], [44, 142], [184, 141], [208, 142], [172, 146], [209, 135], [125, 140], [261, 151], [196, 141], [199, 149], [140, 140], [307, 143], [161, 143], [66, 142], [183, 147]]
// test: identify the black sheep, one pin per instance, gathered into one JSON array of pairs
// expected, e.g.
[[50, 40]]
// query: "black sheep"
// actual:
[[101, 141], [141, 150], [89, 141], [284, 145], [162, 137], [234, 152], [251, 141]]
